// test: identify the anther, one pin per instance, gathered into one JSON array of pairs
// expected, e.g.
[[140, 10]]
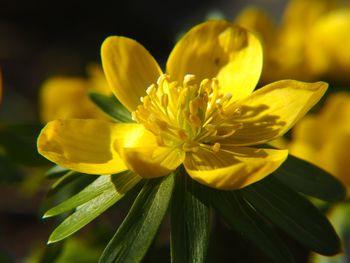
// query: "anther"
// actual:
[[134, 116], [188, 78], [151, 90], [194, 106], [190, 147], [161, 79], [237, 111], [164, 100], [204, 86], [210, 127], [182, 134], [195, 120], [147, 102], [228, 96], [216, 147], [161, 124]]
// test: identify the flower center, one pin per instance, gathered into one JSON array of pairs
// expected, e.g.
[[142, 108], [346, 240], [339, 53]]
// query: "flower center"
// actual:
[[188, 114]]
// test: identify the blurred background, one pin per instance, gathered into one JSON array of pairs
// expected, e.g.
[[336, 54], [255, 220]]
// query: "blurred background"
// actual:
[[44, 39], [40, 39]]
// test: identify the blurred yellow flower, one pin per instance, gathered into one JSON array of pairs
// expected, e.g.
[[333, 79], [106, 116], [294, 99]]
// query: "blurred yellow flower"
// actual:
[[67, 97], [324, 138], [310, 42], [201, 113], [328, 49]]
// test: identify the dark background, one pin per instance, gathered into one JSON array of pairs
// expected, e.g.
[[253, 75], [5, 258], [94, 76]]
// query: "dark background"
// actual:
[[43, 38]]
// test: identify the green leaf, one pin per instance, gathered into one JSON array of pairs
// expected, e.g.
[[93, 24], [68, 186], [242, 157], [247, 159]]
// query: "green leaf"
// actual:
[[190, 227], [70, 178], [294, 214], [111, 106], [102, 184], [242, 218], [65, 187], [56, 171], [310, 180], [91, 203], [133, 238]]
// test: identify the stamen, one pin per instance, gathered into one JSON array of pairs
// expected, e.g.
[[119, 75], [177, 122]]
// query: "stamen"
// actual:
[[187, 114], [151, 90], [161, 79], [182, 134], [195, 120], [216, 147], [190, 147], [205, 86], [194, 106], [188, 78], [162, 124], [164, 100]]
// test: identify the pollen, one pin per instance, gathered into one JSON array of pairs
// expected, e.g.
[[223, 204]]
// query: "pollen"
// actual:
[[187, 114]]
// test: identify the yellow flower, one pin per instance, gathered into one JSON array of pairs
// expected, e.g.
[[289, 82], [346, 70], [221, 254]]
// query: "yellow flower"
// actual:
[[327, 48], [201, 113], [309, 43], [67, 97], [324, 138]]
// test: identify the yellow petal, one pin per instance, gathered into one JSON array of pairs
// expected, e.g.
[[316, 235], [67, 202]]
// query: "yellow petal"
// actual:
[[222, 50], [233, 167], [140, 151], [129, 69], [154, 161], [272, 110], [327, 45], [82, 145]]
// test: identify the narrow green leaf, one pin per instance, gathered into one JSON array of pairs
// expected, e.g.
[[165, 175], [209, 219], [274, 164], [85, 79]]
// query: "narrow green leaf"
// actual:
[[189, 222], [294, 214], [103, 183], [92, 205], [310, 180], [68, 179], [133, 238], [56, 171], [242, 218], [111, 106], [65, 187]]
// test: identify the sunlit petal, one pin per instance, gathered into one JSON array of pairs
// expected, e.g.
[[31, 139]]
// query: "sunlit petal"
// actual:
[[222, 50], [129, 69], [82, 145], [154, 161], [272, 110], [233, 167], [141, 152]]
